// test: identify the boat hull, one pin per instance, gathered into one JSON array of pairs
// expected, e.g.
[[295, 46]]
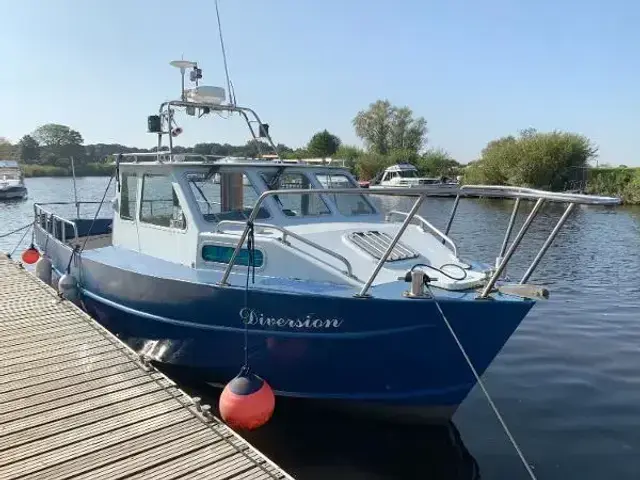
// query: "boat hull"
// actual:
[[16, 192], [373, 354]]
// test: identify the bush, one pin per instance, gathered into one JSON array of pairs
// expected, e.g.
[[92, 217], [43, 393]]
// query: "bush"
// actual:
[[87, 170], [539, 160]]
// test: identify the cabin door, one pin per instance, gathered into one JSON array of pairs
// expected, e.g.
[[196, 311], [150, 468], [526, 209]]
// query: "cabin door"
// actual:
[[163, 229]]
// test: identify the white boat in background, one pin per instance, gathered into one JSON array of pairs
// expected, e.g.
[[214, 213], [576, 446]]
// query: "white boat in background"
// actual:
[[11, 181], [403, 175]]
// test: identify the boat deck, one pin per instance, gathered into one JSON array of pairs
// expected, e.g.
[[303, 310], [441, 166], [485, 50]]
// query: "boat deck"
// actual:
[[76, 402]]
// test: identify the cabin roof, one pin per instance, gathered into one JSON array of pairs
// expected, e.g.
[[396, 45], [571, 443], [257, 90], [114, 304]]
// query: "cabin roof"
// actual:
[[9, 164], [178, 160], [401, 167]]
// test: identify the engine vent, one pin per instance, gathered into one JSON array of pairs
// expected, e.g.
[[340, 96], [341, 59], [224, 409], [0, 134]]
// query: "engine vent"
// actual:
[[376, 243]]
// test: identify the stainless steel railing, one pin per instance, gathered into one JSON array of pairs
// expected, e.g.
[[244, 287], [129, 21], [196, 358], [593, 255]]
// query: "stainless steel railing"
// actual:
[[520, 193], [288, 233], [343, 191], [52, 222], [480, 190], [425, 223]]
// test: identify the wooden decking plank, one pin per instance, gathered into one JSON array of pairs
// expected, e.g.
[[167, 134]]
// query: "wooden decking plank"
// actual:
[[32, 359], [87, 446], [93, 416], [122, 453], [56, 357], [54, 384], [75, 389], [76, 402], [68, 364], [82, 398], [166, 411], [59, 414], [181, 466]]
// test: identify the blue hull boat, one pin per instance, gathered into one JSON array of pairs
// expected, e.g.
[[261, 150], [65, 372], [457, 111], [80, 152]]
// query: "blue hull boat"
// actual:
[[208, 264]]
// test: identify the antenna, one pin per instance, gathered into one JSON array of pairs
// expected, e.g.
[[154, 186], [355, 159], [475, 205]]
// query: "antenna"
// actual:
[[183, 65], [224, 58]]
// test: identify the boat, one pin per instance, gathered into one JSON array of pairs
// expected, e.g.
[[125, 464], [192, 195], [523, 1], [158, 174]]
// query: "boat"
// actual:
[[11, 181], [406, 175], [288, 267]]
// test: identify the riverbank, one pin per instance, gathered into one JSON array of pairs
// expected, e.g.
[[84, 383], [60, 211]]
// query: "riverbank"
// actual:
[[87, 170], [619, 182]]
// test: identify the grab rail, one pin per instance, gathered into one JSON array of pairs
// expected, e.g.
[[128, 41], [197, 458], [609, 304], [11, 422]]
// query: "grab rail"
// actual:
[[486, 190], [344, 191], [50, 222], [289, 233], [424, 221]]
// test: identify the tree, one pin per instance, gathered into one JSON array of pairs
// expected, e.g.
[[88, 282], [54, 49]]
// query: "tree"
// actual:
[[385, 127], [436, 163], [539, 160], [323, 144], [28, 150], [6, 149], [60, 142]]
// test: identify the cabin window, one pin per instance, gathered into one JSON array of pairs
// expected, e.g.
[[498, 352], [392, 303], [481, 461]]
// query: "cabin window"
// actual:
[[295, 205], [159, 203], [226, 195], [223, 254], [128, 196], [347, 204]]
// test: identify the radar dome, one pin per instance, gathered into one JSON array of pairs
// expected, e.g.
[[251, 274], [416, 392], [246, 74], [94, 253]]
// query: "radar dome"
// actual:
[[206, 94]]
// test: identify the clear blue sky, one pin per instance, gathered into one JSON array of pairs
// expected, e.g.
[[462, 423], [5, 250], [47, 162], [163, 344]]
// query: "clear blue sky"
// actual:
[[476, 70]]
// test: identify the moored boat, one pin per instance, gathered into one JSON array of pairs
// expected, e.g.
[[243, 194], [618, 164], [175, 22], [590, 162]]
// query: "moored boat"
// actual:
[[289, 267], [11, 181], [406, 175]]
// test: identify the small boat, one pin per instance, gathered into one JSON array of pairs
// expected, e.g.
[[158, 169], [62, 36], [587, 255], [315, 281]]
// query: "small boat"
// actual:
[[11, 181], [406, 175], [292, 265]]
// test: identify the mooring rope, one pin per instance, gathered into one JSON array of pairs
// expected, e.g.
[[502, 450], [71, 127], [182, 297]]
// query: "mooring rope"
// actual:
[[484, 389], [20, 241], [16, 230]]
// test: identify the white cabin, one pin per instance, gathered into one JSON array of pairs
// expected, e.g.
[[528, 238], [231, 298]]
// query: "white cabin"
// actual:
[[176, 212]]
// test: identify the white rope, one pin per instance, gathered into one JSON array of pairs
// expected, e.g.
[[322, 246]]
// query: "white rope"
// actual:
[[484, 390]]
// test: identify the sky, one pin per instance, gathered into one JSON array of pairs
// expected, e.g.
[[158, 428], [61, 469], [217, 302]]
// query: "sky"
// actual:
[[474, 70]]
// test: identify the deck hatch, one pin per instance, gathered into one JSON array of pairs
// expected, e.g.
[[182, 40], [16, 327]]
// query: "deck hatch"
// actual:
[[375, 243]]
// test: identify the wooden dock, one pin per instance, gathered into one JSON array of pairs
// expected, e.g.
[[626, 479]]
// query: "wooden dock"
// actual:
[[77, 402]]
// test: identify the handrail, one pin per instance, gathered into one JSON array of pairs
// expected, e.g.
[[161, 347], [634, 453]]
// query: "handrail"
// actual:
[[50, 216], [286, 233], [406, 192], [504, 191], [424, 221], [486, 190]]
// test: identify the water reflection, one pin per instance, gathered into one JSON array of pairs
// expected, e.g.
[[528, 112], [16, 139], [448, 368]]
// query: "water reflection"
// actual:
[[311, 442]]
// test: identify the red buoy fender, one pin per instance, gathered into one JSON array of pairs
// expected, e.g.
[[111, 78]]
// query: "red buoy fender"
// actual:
[[247, 402], [30, 255]]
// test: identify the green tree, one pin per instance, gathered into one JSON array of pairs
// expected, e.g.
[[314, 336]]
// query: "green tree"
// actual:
[[370, 164], [59, 143], [384, 127], [323, 144], [436, 163], [6, 149], [28, 150], [540, 160]]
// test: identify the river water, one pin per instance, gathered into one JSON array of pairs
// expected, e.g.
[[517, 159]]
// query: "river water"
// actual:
[[567, 382]]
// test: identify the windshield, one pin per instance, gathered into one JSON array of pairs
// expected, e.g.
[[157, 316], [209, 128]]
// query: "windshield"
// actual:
[[408, 173], [295, 204], [347, 204], [224, 196]]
